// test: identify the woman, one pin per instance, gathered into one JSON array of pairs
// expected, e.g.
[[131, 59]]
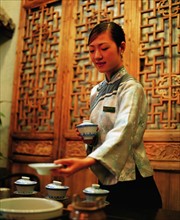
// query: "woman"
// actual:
[[118, 105]]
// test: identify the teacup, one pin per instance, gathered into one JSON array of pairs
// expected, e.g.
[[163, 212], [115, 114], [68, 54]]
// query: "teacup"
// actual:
[[4, 192], [87, 129]]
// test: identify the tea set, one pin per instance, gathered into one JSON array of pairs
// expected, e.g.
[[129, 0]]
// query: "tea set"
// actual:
[[57, 191], [91, 205], [22, 207]]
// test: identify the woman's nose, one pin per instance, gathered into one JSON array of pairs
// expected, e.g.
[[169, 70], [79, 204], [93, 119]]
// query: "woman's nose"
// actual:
[[97, 54]]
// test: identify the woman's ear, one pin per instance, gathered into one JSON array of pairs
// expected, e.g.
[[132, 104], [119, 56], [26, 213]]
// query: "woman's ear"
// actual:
[[123, 46]]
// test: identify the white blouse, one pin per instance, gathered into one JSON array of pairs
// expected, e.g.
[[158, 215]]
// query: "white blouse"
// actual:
[[119, 107]]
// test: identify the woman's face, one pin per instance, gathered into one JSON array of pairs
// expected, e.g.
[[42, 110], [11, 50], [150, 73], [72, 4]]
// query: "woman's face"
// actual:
[[105, 54]]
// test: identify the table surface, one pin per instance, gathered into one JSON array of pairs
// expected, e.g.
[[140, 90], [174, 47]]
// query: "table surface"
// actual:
[[136, 215], [145, 215], [125, 214]]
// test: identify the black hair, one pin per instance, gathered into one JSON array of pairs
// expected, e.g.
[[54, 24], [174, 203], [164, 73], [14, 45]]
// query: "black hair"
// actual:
[[116, 31]]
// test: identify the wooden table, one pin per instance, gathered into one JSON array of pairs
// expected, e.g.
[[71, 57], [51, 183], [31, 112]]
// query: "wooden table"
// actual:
[[125, 214], [145, 215]]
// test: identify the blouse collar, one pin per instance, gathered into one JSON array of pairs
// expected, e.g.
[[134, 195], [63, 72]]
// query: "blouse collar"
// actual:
[[118, 74]]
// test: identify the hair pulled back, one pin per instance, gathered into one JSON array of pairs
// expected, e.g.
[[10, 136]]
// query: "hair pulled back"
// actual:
[[116, 31]]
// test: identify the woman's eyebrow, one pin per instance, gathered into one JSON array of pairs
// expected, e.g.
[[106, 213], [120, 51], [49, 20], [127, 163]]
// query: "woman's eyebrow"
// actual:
[[98, 44]]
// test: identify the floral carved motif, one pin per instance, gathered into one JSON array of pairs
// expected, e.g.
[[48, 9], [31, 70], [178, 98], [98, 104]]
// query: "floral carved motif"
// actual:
[[75, 149], [43, 148], [163, 151]]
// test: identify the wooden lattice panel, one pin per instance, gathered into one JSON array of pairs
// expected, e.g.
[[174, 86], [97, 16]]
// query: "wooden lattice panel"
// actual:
[[53, 78], [37, 3], [90, 12], [38, 73], [160, 63]]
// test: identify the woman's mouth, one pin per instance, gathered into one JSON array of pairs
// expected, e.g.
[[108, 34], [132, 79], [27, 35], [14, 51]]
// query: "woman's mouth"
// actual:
[[100, 64]]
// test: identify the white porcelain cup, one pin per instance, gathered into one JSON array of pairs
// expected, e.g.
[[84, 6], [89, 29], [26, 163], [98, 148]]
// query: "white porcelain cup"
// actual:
[[4, 192], [87, 129]]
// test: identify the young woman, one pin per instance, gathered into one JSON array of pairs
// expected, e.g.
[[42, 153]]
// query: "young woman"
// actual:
[[118, 105]]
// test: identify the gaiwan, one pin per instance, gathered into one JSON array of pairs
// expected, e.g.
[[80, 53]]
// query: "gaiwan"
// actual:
[[87, 129], [25, 185], [94, 193], [56, 190]]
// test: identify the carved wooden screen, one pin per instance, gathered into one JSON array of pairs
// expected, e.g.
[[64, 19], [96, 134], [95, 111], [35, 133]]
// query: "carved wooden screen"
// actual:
[[81, 79], [85, 76], [36, 89], [54, 87], [159, 73], [54, 77]]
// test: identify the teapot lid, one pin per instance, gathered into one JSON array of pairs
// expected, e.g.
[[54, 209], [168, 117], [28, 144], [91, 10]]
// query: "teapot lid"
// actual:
[[56, 185], [95, 189], [25, 181]]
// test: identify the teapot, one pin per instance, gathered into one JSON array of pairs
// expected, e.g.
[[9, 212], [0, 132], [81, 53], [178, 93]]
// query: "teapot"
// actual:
[[87, 210]]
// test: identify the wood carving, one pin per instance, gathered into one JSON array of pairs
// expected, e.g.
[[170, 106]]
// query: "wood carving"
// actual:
[[85, 76], [39, 148], [36, 3], [163, 151], [38, 72], [54, 77], [75, 149], [158, 55]]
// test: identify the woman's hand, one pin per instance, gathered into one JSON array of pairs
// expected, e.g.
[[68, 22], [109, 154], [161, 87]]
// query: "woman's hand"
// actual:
[[72, 165]]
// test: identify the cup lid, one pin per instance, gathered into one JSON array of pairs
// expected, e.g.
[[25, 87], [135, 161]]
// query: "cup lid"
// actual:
[[25, 181], [86, 123], [95, 189], [56, 185]]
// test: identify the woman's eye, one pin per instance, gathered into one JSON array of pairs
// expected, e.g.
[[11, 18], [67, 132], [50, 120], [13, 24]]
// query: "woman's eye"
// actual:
[[104, 48], [91, 51]]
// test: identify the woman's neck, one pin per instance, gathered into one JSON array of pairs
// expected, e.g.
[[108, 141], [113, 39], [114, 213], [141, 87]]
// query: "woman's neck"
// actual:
[[109, 75]]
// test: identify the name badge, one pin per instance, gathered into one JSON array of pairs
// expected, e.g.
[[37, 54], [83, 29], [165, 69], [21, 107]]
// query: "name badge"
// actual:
[[109, 109]]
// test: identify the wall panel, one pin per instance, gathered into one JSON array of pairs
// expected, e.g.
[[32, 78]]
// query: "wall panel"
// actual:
[[54, 76]]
